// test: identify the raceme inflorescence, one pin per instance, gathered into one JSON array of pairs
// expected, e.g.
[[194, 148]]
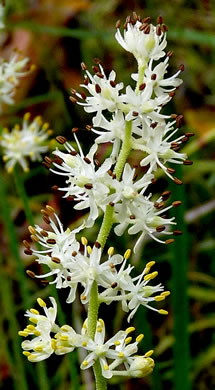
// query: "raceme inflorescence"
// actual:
[[130, 118]]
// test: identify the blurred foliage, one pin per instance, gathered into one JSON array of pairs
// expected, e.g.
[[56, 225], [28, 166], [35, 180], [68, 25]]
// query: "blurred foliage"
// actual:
[[57, 36]]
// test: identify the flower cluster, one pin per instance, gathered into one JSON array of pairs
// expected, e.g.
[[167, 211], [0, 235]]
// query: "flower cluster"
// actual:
[[50, 338], [70, 265], [10, 72], [113, 187], [24, 142]]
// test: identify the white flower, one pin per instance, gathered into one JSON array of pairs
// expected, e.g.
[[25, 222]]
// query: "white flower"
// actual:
[[86, 268], [42, 346], [144, 217], [23, 143], [142, 105], [67, 340], [128, 191], [159, 147], [59, 248], [104, 93], [155, 78], [143, 44], [118, 349], [86, 184], [141, 366], [10, 72], [134, 291]]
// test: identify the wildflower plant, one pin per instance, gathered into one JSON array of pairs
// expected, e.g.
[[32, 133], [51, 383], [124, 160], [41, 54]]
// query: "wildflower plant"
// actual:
[[135, 121]]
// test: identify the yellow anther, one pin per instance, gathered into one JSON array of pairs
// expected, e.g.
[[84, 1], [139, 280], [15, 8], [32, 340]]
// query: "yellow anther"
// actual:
[[121, 355], [64, 338], [117, 342], [65, 328], [164, 312], [26, 330], [151, 276], [130, 329], [50, 208], [5, 158], [147, 270], [149, 353], [30, 327], [38, 349], [106, 367], [33, 67], [34, 320], [111, 251], [26, 353], [84, 344], [99, 329], [37, 332], [128, 340], [85, 324], [139, 338], [45, 126], [89, 249], [17, 127], [53, 344], [150, 264], [23, 333], [85, 363], [38, 119], [41, 302], [127, 254], [159, 298], [101, 322], [34, 311], [84, 241], [83, 297], [27, 116], [165, 293], [32, 230]]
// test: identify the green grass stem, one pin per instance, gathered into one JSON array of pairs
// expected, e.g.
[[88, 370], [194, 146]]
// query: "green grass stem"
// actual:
[[20, 380], [180, 301]]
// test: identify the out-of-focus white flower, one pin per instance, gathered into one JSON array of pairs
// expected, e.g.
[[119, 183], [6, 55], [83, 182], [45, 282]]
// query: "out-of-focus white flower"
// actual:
[[10, 72], [86, 184], [104, 93], [143, 41], [41, 346], [159, 146], [25, 142], [59, 248]]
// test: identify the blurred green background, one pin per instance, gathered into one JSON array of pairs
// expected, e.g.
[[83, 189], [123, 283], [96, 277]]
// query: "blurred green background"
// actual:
[[57, 36]]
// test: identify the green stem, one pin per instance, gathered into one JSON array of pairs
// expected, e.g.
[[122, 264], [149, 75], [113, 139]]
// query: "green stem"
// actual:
[[109, 212], [101, 383], [93, 310]]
